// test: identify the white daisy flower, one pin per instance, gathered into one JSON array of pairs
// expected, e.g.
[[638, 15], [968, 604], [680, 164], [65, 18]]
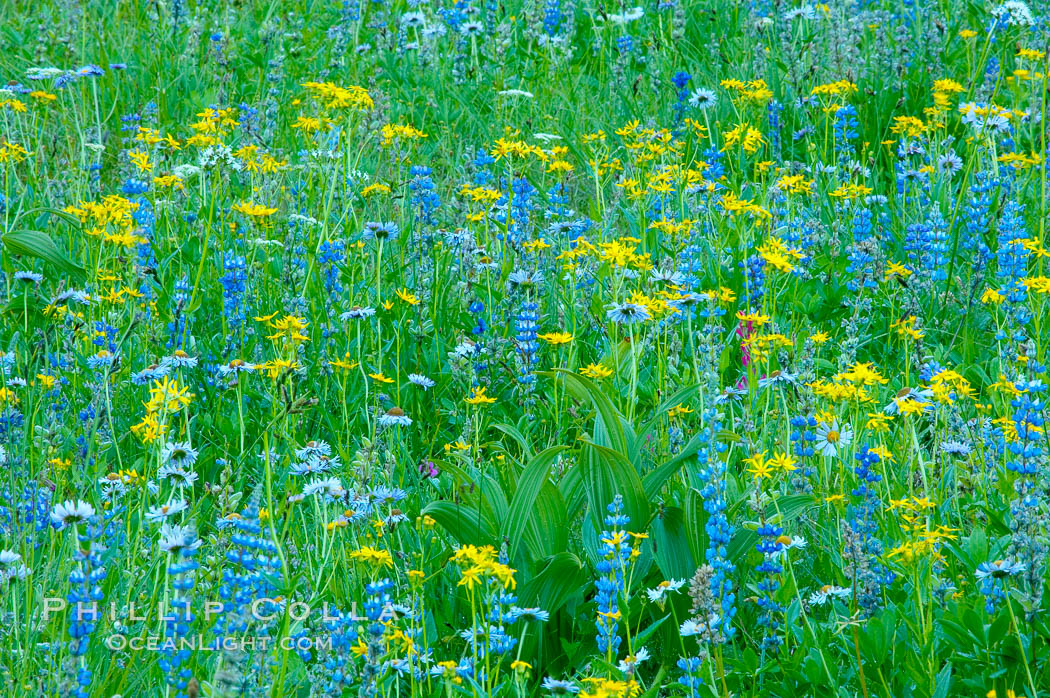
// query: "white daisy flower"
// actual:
[[660, 592], [826, 593], [70, 512], [832, 437], [164, 511]]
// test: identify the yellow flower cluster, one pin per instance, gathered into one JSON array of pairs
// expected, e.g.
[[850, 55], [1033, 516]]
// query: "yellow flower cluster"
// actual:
[[335, 97], [479, 565]]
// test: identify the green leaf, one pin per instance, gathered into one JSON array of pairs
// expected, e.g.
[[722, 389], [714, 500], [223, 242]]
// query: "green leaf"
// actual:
[[464, 523], [789, 507], [654, 480], [644, 636], [33, 243], [491, 500], [28, 303], [695, 518], [608, 423], [48, 211], [528, 488], [607, 473], [557, 582], [571, 488], [743, 541], [546, 533], [671, 544], [661, 410], [944, 681], [514, 433]]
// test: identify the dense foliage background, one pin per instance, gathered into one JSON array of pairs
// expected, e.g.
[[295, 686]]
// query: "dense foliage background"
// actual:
[[464, 347]]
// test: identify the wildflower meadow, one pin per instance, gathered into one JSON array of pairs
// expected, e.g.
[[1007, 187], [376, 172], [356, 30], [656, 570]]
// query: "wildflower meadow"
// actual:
[[524, 348]]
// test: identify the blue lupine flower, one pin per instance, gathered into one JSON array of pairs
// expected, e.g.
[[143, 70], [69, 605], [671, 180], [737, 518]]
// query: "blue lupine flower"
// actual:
[[552, 17], [863, 551], [769, 569], [615, 554], [845, 128], [181, 543], [424, 197], [526, 323], [927, 245], [754, 279], [773, 112], [711, 471], [234, 286], [692, 677]]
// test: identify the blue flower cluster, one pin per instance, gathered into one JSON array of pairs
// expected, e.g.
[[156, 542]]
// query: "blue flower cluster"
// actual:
[[711, 473], [615, 556]]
